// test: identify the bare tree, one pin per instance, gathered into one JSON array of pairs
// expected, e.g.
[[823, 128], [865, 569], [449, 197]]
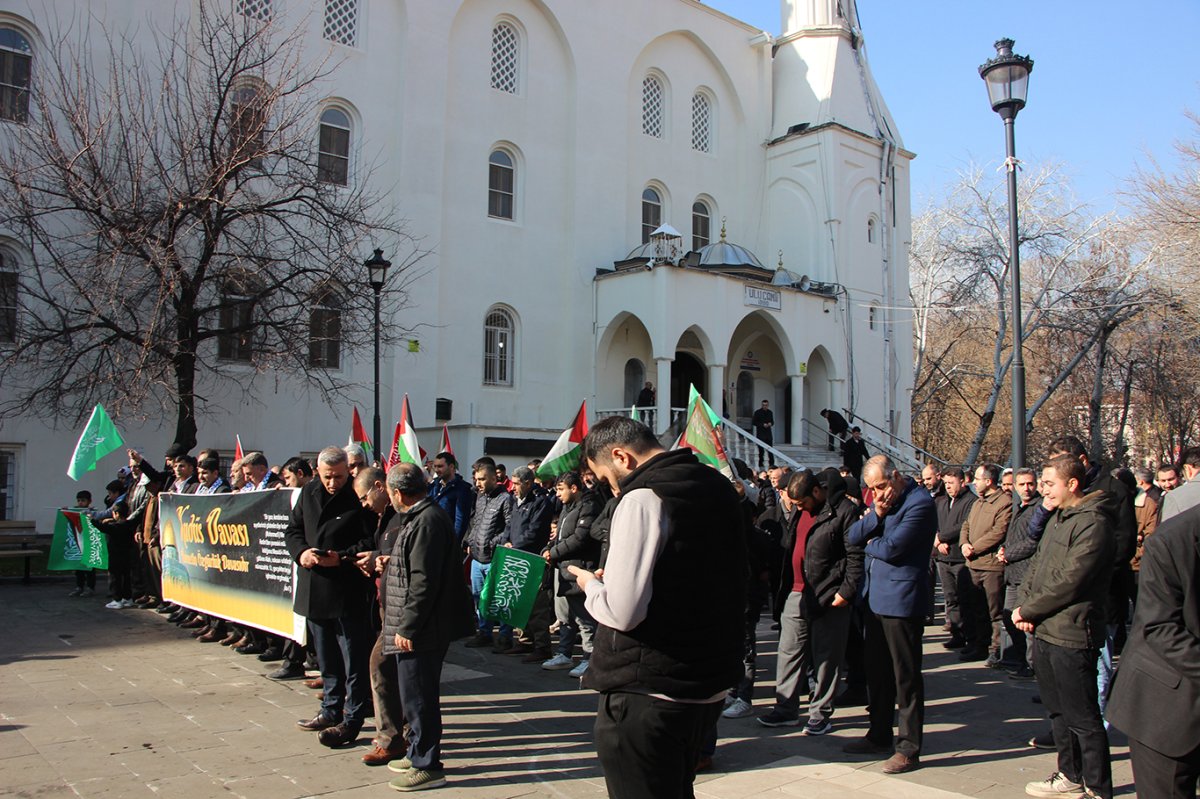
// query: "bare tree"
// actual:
[[1073, 293], [183, 229]]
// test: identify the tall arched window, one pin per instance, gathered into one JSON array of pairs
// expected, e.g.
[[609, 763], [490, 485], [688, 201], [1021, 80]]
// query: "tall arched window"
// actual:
[[651, 213], [702, 124], [506, 55], [8, 299], [325, 330], [333, 156], [701, 224], [247, 135], [239, 293], [502, 175], [16, 72], [499, 340], [341, 21], [870, 231], [652, 106]]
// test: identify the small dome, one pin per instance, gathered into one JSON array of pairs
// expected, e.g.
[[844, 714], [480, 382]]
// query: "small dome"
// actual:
[[642, 251], [723, 253]]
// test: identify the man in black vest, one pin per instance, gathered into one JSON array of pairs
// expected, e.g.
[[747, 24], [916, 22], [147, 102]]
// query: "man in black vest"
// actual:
[[323, 536], [668, 604]]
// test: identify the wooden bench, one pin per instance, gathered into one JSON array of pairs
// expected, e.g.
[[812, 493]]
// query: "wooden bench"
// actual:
[[19, 539]]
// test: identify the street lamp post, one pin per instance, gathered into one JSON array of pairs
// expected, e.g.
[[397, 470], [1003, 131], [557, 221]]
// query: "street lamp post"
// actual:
[[377, 267], [1007, 79]]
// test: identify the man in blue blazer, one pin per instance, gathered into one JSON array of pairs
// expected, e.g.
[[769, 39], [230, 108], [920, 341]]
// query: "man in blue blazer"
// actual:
[[897, 532]]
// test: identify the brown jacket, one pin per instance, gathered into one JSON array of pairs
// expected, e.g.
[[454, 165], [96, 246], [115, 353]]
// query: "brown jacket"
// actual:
[[985, 528], [1145, 510]]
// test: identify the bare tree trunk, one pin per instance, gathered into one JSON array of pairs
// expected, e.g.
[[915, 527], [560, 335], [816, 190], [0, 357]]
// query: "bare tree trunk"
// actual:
[[1096, 401], [1119, 448]]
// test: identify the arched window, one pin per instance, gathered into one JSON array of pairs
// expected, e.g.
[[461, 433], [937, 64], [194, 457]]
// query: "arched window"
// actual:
[[499, 340], [651, 213], [247, 135], [325, 330], [652, 106], [8, 299], [870, 231], [239, 294], [341, 21], [16, 72], [333, 156], [635, 378], [502, 174], [701, 224], [702, 123], [506, 53]]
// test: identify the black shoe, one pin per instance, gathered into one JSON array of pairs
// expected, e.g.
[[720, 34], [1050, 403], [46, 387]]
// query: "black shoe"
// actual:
[[317, 723], [179, 616], [166, 608], [342, 734], [971, 654], [955, 642], [1022, 674], [271, 655], [479, 641], [502, 646], [288, 671], [251, 649]]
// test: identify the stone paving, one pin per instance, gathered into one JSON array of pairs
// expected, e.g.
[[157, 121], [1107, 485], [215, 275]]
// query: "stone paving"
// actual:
[[99, 703]]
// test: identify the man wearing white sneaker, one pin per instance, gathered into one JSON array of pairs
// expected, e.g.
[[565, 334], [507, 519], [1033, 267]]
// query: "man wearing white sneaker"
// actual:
[[1063, 605], [822, 572]]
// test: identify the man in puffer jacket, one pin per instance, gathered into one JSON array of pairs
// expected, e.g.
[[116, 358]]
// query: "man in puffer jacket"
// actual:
[[574, 545], [489, 522], [1063, 605]]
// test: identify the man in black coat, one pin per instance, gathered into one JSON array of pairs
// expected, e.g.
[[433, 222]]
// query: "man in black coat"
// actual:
[[763, 422], [953, 506], [854, 452], [1159, 678], [426, 606], [323, 536], [837, 425]]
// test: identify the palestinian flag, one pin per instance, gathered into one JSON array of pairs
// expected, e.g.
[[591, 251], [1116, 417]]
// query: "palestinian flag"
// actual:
[[358, 435], [693, 398], [77, 544], [238, 454], [405, 448], [445, 445], [700, 436], [566, 453], [99, 438]]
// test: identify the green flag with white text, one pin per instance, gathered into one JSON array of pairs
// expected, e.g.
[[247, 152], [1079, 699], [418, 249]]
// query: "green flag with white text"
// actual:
[[511, 586], [77, 544], [99, 438]]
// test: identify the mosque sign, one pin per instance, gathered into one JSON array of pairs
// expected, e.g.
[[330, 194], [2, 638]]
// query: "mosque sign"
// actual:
[[760, 297]]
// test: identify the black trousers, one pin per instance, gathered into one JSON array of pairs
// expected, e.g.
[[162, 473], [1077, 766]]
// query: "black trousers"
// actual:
[[419, 676], [1066, 679], [120, 564], [894, 681], [1160, 776], [649, 747], [343, 648], [956, 590]]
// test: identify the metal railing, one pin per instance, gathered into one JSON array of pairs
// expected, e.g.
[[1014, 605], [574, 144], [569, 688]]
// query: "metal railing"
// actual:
[[645, 415], [746, 447], [901, 457]]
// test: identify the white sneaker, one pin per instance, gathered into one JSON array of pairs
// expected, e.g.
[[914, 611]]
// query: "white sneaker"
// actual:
[[1056, 785], [579, 670], [738, 710], [114, 605], [558, 663], [128, 603]]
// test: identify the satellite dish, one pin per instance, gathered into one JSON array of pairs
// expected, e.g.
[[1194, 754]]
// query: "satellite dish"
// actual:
[[805, 283]]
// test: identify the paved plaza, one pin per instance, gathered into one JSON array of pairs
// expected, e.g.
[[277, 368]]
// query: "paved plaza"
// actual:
[[99, 703]]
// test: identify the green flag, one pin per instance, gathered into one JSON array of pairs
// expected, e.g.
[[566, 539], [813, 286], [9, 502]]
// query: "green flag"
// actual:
[[93, 544], [66, 554], [511, 586], [99, 438]]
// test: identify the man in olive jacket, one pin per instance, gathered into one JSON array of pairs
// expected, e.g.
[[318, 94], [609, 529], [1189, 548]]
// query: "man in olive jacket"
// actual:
[[426, 607], [980, 540], [323, 535], [1063, 605]]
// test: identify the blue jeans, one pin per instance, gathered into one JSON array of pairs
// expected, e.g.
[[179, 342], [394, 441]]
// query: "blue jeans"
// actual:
[[1104, 670], [343, 648], [479, 573]]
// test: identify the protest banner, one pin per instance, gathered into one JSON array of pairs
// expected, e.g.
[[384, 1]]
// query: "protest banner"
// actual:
[[225, 554], [77, 544], [511, 586]]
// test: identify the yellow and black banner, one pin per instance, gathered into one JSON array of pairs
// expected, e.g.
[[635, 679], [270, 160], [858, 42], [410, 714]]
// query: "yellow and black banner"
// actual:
[[225, 554]]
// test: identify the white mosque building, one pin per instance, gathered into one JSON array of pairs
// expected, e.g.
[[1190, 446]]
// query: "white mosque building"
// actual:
[[612, 193]]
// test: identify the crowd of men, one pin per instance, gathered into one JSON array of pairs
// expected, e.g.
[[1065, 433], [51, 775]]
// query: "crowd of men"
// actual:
[[1039, 571]]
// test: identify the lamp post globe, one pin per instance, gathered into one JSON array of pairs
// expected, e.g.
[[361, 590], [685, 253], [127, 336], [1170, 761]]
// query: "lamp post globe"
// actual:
[[377, 267], [1007, 79]]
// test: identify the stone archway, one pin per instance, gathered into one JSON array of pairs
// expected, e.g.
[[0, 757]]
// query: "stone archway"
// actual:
[[818, 395], [687, 370]]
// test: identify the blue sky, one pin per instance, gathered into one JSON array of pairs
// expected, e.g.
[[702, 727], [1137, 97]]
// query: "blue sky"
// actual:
[[1110, 84]]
